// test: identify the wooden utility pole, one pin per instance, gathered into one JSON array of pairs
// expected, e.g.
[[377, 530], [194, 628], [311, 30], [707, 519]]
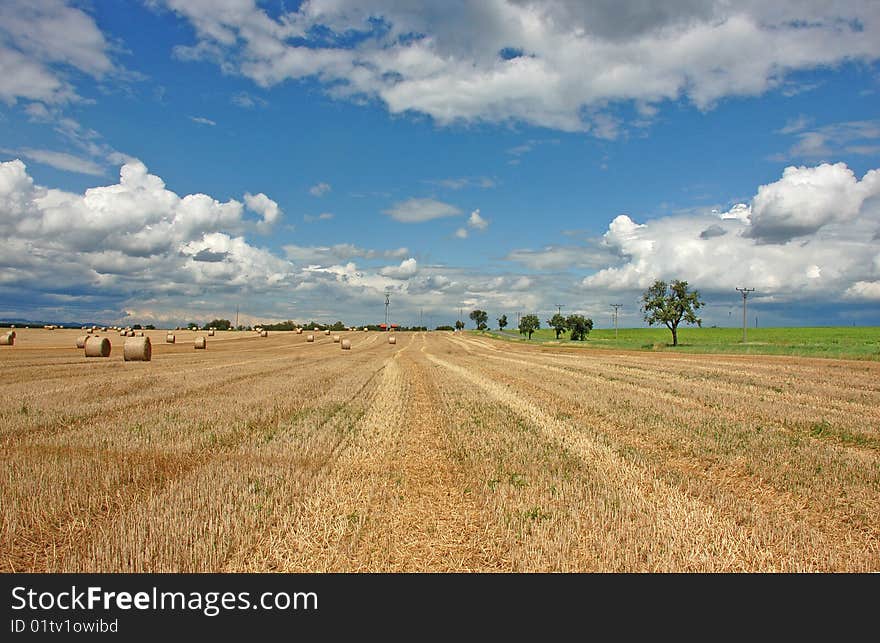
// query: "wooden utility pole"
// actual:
[[616, 307], [745, 293]]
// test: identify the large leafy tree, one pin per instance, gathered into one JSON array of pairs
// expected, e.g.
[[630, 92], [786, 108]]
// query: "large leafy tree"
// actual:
[[528, 324], [579, 326], [502, 322], [479, 317], [557, 323], [671, 304]]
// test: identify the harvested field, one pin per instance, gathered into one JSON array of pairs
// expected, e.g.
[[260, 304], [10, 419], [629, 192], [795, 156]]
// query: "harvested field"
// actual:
[[442, 452]]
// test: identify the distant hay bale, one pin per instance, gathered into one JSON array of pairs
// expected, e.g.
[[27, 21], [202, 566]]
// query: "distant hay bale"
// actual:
[[392, 340], [137, 349], [7, 339], [264, 333], [211, 333], [201, 342], [336, 339], [170, 338], [103, 329], [139, 333], [81, 341], [299, 331], [346, 344], [316, 329], [90, 330], [11, 333], [310, 338], [97, 347], [121, 333], [327, 332]]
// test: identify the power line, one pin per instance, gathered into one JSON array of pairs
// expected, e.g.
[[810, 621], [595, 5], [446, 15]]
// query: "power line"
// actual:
[[616, 308], [745, 293], [559, 308]]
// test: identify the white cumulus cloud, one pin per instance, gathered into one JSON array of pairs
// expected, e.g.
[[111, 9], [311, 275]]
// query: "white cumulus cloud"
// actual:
[[555, 64], [407, 268]]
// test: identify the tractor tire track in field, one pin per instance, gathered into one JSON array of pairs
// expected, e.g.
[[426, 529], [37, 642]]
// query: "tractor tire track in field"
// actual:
[[692, 525], [838, 524]]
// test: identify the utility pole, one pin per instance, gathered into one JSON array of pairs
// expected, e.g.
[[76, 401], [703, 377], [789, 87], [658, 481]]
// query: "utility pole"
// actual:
[[420, 317], [387, 302], [559, 308], [616, 307], [745, 293], [236, 316]]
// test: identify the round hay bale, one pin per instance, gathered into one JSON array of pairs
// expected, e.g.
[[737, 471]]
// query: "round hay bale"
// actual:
[[139, 333], [81, 341], [97, 347], [336, 339], [137, 349], [170, 338], [211, 333], [264, 333], [299, 331], [90, 330], [327, 332], [7, 339], [310, 338], [346, 344], [392, 340], [201, 342], [12, 333]]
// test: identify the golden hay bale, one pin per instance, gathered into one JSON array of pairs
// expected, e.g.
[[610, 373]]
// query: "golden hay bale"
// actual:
[[90, 330], [316, 329], [140, 333], [264, 333], [137, 349], [201, 342], [336, 339], [7, 339], [81, 341], [211, 333], [310, 338], [12, 333], [299, 331], [170, 338], [346, 344], [327, 332], [97, 347], [392, 340]]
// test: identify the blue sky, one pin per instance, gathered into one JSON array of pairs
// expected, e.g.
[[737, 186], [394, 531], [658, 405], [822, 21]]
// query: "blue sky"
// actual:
[[167, 161]]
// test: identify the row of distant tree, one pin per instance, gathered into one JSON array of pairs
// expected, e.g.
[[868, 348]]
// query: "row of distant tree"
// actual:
[[664, 303]]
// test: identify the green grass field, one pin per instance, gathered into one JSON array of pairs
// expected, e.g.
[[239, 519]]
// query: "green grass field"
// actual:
[[848, 342]]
